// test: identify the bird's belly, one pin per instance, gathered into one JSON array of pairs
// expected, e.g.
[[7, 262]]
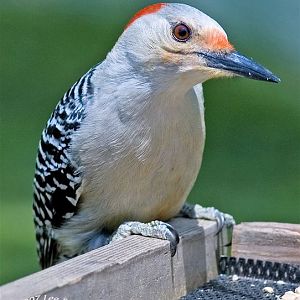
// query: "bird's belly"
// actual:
[[171, 180], [149, 192], [147, 171], [149, 186]]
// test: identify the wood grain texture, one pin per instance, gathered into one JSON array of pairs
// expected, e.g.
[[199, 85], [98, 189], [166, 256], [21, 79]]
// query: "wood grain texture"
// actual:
[[134, 268], [267, 241]]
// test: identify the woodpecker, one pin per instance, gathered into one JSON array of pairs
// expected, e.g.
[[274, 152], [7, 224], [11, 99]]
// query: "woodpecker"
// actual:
[[122, 149]]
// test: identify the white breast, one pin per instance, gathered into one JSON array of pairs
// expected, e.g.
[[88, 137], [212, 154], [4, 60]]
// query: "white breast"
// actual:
[[141, 168]]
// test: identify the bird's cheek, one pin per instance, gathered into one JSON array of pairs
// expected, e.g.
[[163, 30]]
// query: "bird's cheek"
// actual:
[[171, 58]]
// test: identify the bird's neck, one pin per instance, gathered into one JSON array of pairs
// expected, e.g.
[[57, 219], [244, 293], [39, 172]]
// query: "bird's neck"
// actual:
[[162, 77], [154, 97]]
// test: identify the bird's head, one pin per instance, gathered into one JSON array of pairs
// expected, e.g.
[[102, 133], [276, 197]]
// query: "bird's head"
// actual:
[[179, 40]]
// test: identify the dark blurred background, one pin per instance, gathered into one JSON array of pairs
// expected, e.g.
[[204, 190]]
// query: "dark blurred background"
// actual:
[[251, 166]]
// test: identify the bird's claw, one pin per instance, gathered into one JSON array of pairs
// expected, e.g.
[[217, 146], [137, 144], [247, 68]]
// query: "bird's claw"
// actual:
[[173, 238], [155, 229], [223, 220], [196, 211]]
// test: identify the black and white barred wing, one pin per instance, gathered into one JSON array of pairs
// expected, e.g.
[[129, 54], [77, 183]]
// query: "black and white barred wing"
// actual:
[[57, 180]]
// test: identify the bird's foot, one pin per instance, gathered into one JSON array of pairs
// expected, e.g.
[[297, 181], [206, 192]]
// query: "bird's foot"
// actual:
[[196, 211], [155, 229]]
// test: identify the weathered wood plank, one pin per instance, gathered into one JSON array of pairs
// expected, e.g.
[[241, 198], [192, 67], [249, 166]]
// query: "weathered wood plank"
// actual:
[[267, 241], [134, 268]]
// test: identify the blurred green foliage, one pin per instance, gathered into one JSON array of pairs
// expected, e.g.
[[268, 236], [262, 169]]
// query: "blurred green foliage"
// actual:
[[251, 166]]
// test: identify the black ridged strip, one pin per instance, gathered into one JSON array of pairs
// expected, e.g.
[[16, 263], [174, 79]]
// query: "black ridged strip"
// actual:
[[259, 269]]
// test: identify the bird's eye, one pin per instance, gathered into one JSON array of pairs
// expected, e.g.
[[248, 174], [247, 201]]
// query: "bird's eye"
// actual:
[[181, 32]]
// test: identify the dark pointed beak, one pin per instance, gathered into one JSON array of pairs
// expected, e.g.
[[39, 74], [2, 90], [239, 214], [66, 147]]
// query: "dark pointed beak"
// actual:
[[238, 64]]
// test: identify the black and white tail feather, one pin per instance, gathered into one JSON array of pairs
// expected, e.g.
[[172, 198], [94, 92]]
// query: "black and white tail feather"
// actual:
[[57, 179]]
